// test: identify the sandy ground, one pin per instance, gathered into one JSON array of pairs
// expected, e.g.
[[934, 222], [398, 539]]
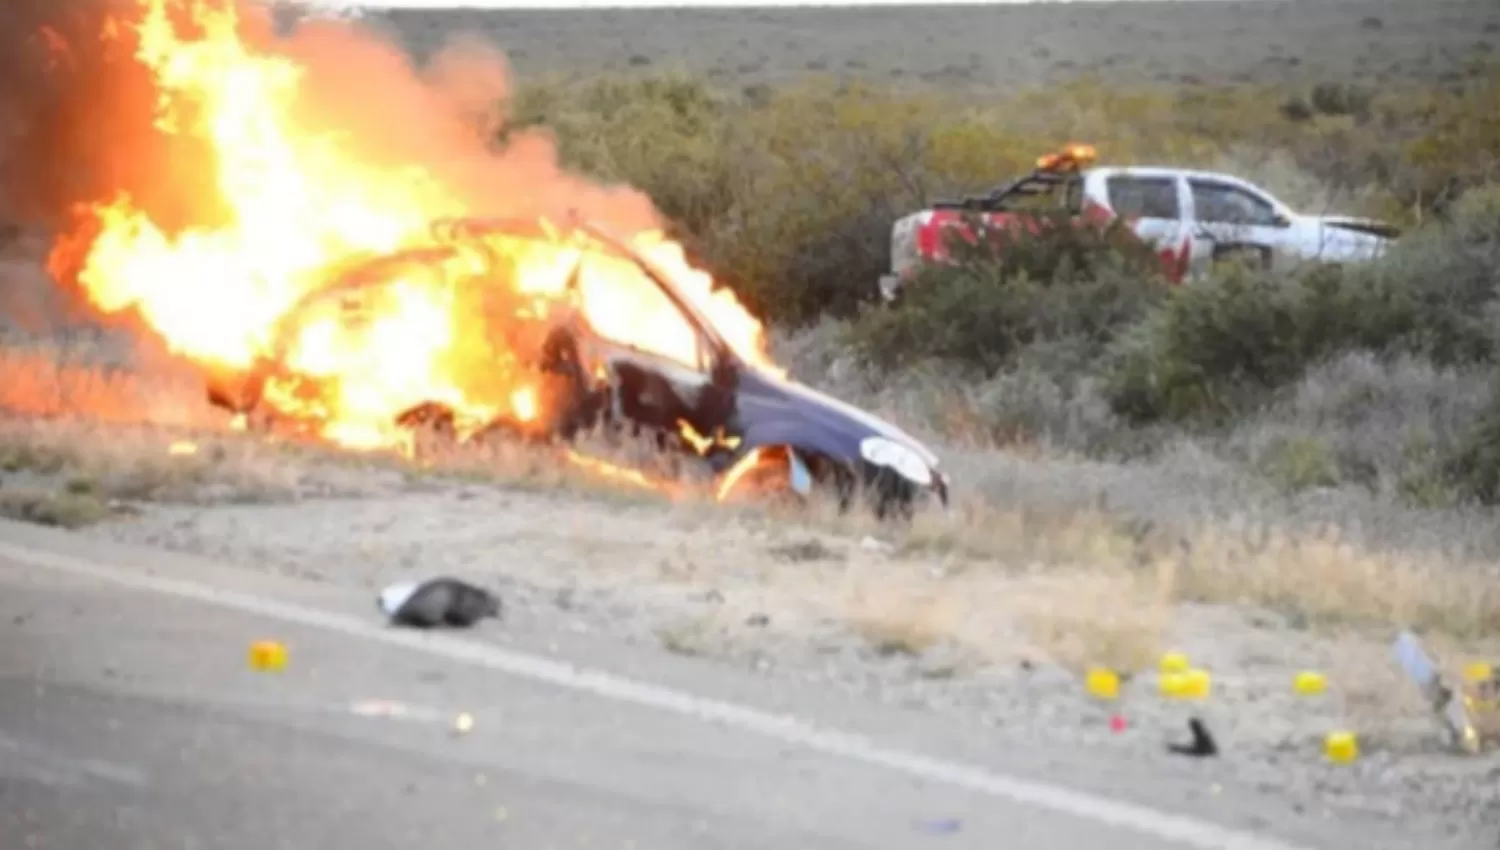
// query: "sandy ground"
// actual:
[[1296, 42]]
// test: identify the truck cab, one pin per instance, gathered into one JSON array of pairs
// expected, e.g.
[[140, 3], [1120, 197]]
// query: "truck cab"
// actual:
[[1194, 219]]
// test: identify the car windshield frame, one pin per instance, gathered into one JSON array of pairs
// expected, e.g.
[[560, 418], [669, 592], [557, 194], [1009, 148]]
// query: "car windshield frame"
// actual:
[[719, 348], [586, 236]]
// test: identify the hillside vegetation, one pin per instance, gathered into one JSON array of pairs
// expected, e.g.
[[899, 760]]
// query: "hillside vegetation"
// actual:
[[788, 195]]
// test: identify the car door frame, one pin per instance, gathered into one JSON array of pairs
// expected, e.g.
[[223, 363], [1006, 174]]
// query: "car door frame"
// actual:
[[1170, 238], [1275, 243]]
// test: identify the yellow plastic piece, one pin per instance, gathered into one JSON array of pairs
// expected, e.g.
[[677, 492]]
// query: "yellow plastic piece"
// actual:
[[1309, 683], [1196, 684], [267, 656], [1341, 747], [1478, 671], [1102, 683], [1172, 684], [1174, 662]]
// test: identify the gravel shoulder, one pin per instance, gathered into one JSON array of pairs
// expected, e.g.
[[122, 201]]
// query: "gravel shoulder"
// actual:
[[800, 605], [189, 704]]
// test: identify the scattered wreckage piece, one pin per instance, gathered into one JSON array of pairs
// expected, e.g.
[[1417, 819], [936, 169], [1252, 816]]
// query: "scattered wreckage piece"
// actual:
[[1202, 744], [437, 602], [1457, 707]]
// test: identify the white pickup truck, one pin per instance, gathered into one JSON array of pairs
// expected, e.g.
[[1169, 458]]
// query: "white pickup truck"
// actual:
[[1193, 218]]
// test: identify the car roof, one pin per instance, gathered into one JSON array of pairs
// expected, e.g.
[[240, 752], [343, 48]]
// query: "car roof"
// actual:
[[446, 232], [1167, 171]]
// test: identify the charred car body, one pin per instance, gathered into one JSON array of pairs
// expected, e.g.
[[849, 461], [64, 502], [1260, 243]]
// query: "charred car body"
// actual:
[[753, 427]]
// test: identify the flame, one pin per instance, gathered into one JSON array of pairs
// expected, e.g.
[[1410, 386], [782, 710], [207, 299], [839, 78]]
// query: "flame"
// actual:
[[704, 444], [622, 474], [257, 287], [756, 458]]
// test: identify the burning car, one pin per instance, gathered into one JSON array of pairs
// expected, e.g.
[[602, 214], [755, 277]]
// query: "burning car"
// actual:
[[310, 234], [558, 310]]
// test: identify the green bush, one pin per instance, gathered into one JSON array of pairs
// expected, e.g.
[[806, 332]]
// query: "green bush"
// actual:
[[1009, 290], [1473, 466], [1219, 346], [788, 194]]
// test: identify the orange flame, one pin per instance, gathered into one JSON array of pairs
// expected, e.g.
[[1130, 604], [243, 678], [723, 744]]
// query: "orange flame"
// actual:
[[252, 292]]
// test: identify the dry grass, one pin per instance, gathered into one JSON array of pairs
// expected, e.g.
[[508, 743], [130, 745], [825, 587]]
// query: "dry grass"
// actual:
[[896, 620], [1091, 586], [1083, 619], [49, 378], [68, 508], [998, 579], [1087, 584], [154, 463]]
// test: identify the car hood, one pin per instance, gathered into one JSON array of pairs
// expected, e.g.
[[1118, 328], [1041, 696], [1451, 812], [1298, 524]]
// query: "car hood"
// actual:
[[796, 413], [1367, 226]]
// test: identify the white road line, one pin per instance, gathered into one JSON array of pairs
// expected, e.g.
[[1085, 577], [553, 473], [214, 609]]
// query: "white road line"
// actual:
[[34, 761], [1185, 831]]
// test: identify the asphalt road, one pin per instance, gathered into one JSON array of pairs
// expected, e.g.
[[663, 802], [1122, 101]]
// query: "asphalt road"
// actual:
[[130, 719]]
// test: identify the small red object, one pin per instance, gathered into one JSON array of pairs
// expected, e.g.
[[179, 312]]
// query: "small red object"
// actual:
[[1116, 723]]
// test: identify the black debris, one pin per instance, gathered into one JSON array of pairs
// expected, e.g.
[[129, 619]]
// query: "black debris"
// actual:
[[437, 602], [1202, 744]]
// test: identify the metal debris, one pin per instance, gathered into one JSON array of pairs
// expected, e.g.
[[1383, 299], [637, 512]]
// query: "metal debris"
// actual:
[[1202, 745], [1449, 704]]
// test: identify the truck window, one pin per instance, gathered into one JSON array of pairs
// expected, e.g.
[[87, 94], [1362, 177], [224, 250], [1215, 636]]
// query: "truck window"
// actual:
[[1221, 203], [1143, 197]]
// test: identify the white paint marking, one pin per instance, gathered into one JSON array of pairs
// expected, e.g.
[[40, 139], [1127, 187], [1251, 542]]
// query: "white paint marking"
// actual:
[[786, 728], [48, 766]]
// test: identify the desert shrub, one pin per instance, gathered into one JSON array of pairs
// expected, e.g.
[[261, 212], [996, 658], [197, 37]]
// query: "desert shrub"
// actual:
[[1007, 290], [667, 134], [1220, 346], [1435, 294], [1216, 346], [1384, 424], [788, 193], [1473, 465]]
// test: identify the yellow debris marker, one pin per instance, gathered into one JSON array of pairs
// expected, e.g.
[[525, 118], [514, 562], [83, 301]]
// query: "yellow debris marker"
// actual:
[[1476, 672], [1173, 662], [1196, 684], [1191, 684], [267, 656], [1341, 747], [1102, 683], [1309, 683], [1171, 685]]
